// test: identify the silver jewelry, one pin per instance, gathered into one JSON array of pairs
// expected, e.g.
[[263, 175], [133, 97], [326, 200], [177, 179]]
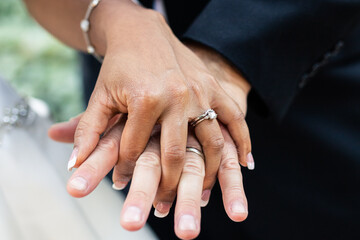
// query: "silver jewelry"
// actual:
[[85, 27], [20, 115], [196, 151], [208, 115]]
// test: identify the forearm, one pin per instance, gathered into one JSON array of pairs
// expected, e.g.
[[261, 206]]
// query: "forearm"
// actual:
[[62, 19]]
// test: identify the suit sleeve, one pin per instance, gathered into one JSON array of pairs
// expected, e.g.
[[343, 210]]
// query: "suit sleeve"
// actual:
[[277, 45]]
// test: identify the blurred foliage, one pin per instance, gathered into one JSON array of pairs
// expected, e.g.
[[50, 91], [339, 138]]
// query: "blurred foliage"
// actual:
[[36, 64]]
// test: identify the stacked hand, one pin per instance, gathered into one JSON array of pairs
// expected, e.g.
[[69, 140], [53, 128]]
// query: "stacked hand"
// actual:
[[157, 85], [148, 170], [155, 79]]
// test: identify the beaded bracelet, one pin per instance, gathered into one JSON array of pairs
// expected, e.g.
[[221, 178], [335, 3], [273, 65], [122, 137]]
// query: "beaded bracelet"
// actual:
[[85, 27]]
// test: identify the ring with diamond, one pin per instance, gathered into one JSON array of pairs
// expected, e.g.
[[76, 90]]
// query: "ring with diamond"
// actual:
[[196, 151], [209, 114]]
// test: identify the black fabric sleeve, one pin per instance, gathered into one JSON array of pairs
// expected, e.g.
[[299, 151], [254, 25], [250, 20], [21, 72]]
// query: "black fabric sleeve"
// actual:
[[278, 44]]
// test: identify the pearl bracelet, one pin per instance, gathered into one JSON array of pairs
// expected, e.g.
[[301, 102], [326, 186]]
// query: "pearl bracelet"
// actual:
[[85, 27]]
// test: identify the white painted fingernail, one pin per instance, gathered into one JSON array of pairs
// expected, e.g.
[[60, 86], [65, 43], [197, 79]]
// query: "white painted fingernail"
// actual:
[[132, 214], [73, 159], [187, 223], [250, 162], [205, 198], [238, 207], [159, 214], [162, 209], [79, 183], [119, 185]]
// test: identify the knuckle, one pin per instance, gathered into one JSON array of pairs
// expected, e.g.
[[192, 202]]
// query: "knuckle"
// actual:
[[210, 78], [179, 91], [212, 82], [189, 203], [216, 143], [109, 144], [102, 99], [167, 194], [238, 116], [149, 160], [140, 194], [80, 130], [83, 128], [132, 154], [175, 154], [147, 99], [197, 90], [234, 191], [230, 164], [122, 173], [194, 167]]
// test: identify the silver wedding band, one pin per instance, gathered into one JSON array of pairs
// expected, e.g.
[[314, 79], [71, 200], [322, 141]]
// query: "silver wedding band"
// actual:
[[209, 114], [196, 151]]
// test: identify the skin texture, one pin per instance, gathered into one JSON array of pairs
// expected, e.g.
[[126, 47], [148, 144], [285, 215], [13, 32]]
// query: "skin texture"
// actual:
[[154, 78], [146, 178], [147, 172], [158, 81]]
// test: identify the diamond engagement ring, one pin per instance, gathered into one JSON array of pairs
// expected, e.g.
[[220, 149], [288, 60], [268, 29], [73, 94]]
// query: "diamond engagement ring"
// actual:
[[208, 115], [196, 151]]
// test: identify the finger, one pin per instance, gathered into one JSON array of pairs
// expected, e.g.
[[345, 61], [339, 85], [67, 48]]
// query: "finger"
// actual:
[[173, 146], [99, 163], [64, 131], [187, 210], [210, 137], [230, 114], [136, 135], [143, 188], [87, 135], [231, 183]]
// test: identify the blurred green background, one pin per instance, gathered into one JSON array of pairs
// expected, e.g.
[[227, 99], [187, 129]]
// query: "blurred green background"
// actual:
[[36, 64]]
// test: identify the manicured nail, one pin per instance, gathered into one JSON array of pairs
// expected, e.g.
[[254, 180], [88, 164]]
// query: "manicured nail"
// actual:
[[162, 209], [79, 183], [187, 223], [159, 214], [237, 207], [250, 162], [119, 185], [73, 159], [132, 214], [205, 198]]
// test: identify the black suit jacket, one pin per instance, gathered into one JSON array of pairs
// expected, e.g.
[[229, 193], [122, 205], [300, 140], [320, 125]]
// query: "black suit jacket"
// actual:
[[302, 58]]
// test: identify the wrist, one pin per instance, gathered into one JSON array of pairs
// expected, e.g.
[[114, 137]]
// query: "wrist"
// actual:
[[105, 19]]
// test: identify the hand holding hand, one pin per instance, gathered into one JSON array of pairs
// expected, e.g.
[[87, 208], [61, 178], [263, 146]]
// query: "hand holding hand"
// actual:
[[150, 75], [147, 175]]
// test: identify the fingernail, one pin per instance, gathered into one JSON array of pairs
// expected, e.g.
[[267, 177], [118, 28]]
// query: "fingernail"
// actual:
[[250, 162], [73, 159], [205, 198], [162, 209], [119, 185], [132, 214], [238, 207], [159, 214], [79, 183], [187, 223]]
